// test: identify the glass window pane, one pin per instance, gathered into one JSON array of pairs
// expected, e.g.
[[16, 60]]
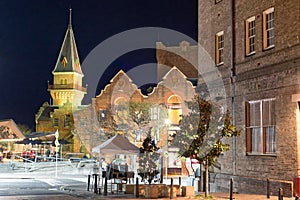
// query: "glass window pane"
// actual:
[[255, 114], [270, 139], [256, 140]]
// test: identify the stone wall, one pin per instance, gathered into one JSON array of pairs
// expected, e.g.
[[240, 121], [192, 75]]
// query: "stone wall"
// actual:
[[250, 185]]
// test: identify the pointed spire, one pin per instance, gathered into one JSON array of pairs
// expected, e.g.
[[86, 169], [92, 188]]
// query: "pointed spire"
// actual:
[[70, 18], [68, 59]]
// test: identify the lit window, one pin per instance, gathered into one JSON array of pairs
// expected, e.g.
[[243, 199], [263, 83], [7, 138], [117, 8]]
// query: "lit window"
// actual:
[[268, 28], [67, 120], [250, 36], [220, 48], [260, 126], [55, 121]]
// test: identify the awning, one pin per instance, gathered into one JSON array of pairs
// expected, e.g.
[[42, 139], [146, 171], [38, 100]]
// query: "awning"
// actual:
[[116, 145]]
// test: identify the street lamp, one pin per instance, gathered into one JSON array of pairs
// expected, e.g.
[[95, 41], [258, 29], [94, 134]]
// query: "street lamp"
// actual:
[[167, 122]]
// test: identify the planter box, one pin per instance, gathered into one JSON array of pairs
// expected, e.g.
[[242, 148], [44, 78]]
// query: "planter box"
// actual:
[[188, 191], [130, 189], [142, 190], [175, 190], [152, 191]]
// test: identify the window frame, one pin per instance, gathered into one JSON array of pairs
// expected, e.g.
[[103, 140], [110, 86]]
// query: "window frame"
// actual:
[[266, 29], [266, 140], [249, 36], [55, 122], [219, 48], [67, 121]]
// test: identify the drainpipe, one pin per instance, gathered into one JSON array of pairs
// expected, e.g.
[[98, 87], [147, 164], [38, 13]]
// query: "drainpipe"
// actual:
[[232, 80]]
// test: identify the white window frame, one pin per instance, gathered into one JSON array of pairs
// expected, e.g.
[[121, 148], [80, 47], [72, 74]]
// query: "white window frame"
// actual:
[[220, 48], [250, 35], [268, 28], [257, 130]]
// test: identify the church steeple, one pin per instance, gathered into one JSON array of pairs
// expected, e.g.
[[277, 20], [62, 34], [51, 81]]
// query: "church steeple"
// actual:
[[67, 74], [68, 59]]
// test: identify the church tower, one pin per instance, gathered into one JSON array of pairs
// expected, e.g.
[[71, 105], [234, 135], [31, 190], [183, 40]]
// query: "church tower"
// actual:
[[67, 74]]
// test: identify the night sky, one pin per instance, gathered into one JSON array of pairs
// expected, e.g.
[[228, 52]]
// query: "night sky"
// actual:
[[32, 31]]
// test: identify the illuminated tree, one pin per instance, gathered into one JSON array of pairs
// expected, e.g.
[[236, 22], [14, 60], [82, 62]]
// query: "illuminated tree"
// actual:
[[202, 133]]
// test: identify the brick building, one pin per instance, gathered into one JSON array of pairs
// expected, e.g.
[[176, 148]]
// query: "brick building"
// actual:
[[167, 102], [255, 46]]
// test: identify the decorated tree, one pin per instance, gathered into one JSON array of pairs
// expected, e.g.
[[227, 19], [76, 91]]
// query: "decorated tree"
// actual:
[[148, 158], [202, 133]]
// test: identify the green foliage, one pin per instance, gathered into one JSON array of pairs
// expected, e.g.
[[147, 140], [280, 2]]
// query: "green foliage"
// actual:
[[148, 159], [203, 130], [25, 129], [139, 112], [108, 123]]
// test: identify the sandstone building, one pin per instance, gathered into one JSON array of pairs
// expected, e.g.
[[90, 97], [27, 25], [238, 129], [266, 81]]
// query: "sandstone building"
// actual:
[[67, 93], [255, 46]]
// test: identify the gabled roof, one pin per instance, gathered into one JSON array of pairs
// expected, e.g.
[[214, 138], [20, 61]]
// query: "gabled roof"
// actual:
[[12, 133], [68, 59]]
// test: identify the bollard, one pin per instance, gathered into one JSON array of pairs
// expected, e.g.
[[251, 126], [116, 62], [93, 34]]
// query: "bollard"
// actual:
[[231, 189], [95, 184], [171, 189], [137, 187], [89, 182], [268, 188], [280, 194], [161, 170], [199, 185], [105, 187]]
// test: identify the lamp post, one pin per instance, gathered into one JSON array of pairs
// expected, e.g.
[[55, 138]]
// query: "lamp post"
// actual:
[[167, 122]]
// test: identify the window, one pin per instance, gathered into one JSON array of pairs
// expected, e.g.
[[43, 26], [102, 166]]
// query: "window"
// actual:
[[260, 127], [218, 1], [83, 121], [67, 120], [154, 113], [55, 121], [220, 48], [268, 28], [250, 36]]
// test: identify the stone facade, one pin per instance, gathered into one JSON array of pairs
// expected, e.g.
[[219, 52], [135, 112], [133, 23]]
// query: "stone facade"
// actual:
[[67, 93], [266, 73], [167, 101]]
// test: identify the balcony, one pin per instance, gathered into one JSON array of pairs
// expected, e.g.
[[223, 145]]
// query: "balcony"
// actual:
[[66, 87]]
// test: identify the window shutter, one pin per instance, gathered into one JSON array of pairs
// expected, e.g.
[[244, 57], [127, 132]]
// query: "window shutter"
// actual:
[[247, 127]]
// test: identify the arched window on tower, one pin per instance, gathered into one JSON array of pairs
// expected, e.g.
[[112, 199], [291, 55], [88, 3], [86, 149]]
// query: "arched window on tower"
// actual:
[[174, 109]]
